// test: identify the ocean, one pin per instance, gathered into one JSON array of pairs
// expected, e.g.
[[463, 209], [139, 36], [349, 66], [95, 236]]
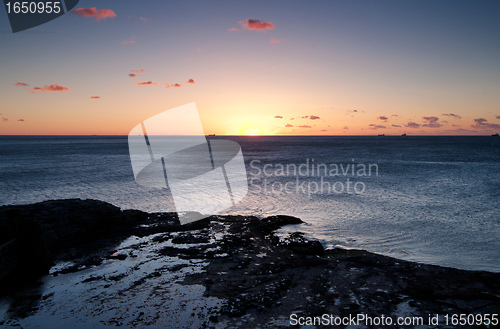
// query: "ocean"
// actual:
[[432, 200]]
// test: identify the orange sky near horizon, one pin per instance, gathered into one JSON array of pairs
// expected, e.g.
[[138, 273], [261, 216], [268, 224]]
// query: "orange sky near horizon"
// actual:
[[329, 69]]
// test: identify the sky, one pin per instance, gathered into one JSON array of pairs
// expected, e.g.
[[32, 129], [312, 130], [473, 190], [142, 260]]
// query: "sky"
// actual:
[[257, 68]]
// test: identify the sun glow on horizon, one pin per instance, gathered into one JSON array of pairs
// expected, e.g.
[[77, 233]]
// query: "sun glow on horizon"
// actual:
[[252, 131]]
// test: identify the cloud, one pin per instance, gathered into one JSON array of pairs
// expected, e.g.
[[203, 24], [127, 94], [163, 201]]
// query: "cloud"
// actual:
[[233, 29], [383, 118], [304, 126], [96, 14], [395, 115], [273, 40], [54, 87], [452, 115], [305, 117], [482, 123], [352, 111], [292, 118], [146, 83], [314, 117], [256, 25], [432, 122], [412, 125], [143, 19], [375, 127], [95, 97], [139, 71], [190, 81], [396, 126], [278, 117], [5, 119], [176, 85], [21, 84], [498, 116], [21, 120], [346, 128], [288, 125], [132, 75], [430, 119], [128, 42]]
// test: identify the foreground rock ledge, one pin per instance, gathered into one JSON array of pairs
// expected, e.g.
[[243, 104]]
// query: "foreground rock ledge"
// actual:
[[262, 277]]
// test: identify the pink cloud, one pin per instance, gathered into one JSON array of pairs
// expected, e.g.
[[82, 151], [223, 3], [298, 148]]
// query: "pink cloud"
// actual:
[[176, 85], [233, 29], [54, 87], [95, 97], [383, 118], [304, 126], [256, 25], [278, 117], [482, 123], [146, 83], [92, 12], [273, 40], [21, 84], [314, 117], [288, 125], [191, 81], [128, 42], [432, 122], [412, 125]]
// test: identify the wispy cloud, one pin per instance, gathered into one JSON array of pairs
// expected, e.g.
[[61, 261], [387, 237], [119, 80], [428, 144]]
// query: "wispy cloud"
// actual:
[[278, 117], [453, 115], [134, 73], [176, 85], [375, 127], [93, 12], [233, 29], [128, 42], [273, 40], [396, 126], [304, 126], [256, 25], [383, 118], [95, 97], [412, 125], [21, 120], [288, 125], [146, 83], [54, 87], [5, 119], [21, 84]]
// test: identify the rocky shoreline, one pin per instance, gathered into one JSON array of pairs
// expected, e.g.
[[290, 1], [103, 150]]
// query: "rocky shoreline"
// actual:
[[252, 277]]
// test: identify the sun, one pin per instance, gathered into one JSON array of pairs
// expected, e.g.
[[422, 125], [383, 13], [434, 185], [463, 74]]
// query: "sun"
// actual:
[[251, 131]]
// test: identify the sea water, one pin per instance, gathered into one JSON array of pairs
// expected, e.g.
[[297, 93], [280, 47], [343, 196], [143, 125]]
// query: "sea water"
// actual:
[[433, 200]]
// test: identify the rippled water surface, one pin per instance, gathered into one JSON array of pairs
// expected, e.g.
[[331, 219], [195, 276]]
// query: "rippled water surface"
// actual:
[[428, 199]]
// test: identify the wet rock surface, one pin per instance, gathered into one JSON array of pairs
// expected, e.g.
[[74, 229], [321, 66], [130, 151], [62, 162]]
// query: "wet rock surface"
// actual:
[[139, 269]]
